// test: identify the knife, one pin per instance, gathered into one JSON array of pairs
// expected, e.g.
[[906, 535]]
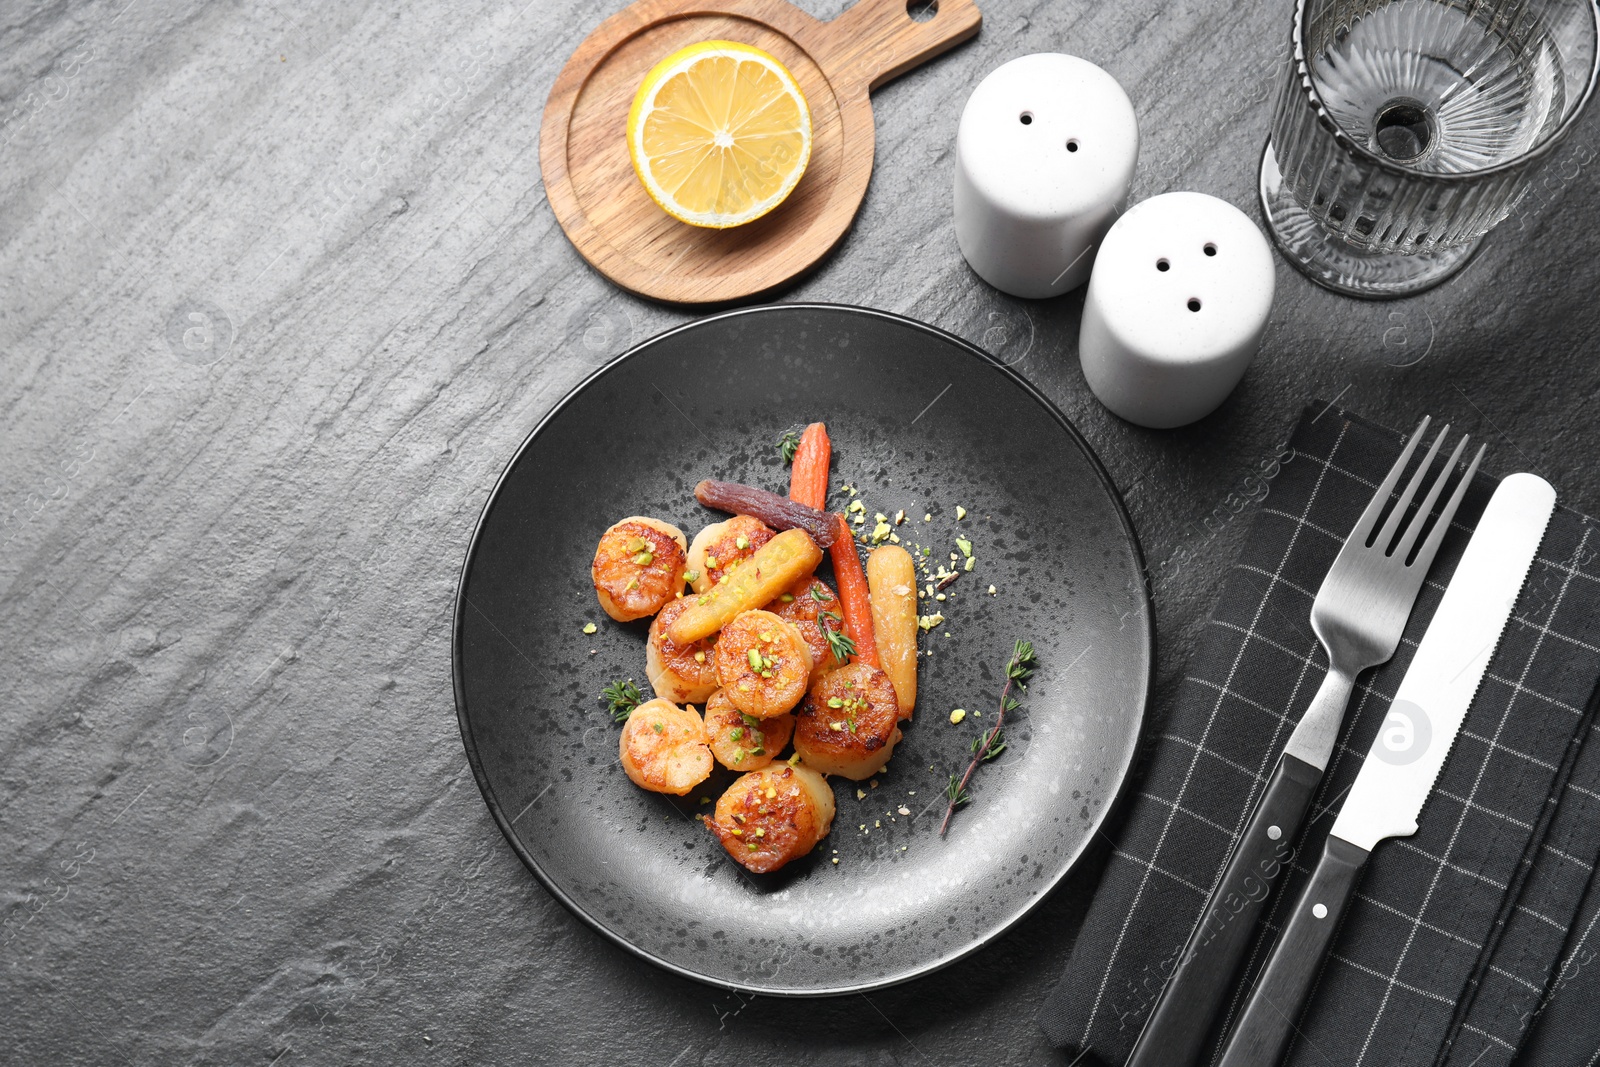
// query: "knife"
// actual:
[[1405, 757]]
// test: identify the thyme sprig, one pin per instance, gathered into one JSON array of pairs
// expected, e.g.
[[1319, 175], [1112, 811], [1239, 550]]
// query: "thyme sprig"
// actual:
[[989, 744], [621, 698], [841, 644], [788, 444]]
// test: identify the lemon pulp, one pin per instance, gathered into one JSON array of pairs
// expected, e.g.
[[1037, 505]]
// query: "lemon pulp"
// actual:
[[719, 134]]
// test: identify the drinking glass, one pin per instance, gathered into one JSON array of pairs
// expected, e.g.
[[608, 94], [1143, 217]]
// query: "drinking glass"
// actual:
[[1406, 129]]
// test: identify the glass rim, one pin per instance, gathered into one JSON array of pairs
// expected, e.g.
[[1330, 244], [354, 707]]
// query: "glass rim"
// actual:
[[1308, 88]]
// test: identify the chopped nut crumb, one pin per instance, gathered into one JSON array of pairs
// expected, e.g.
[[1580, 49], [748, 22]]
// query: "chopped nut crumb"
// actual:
[[903, 810], [991, 590], [861, 794], [590, 628], [957, 715]]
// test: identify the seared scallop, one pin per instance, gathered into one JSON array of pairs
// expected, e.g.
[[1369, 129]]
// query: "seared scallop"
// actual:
[[683, 675], [763, 664], [847, 723], [743, 742], [638, 567], [721, 545], [664, 748], [811, 607], [774, 815]]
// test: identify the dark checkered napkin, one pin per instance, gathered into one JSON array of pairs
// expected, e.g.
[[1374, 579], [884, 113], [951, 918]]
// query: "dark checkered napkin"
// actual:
[[1458, 933]]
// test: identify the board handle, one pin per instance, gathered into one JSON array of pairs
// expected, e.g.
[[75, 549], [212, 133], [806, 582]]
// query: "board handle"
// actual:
[[877, 40]]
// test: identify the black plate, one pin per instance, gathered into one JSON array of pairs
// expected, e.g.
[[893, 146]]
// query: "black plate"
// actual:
[[710, 399]]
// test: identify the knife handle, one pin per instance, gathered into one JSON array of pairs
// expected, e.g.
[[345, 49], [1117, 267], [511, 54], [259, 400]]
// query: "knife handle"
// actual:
[[1192, 1000], [1280, 992]]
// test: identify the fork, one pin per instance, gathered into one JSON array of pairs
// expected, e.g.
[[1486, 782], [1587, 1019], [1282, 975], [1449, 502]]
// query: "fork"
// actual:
[[1358, 615]]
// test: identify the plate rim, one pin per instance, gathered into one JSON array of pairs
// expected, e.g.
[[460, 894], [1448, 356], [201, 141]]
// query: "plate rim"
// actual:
[[498, 812]]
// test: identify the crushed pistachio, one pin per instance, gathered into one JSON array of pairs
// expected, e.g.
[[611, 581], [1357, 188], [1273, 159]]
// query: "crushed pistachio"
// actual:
[[861, 794], [751, 845], [741, 543], [894, 539], [939, 596], [794, 760], [964, 545], [856, 505], [957, 715], [754, 659], [760, 832], [873, 783], [880, 517], [928, 622], [903, 810], [699, 657], [836, 860], [590, 628], [972, 561], [644, 559], [961, 512], [691, 576], [835, 702], [927, 517], [736, 733], [657, 727], [880, 532], [991, 590], [900, 516], [787, 598], [836, 726], [771, 792], [705, 800]]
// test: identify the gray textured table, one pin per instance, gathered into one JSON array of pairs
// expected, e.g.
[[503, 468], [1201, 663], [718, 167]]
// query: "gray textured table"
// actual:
[[281, 295]]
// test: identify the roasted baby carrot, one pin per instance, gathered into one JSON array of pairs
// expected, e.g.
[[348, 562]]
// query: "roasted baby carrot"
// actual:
[[854, 601], [808, 480]]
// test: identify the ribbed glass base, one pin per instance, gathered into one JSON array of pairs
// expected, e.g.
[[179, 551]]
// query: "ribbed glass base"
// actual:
[[1334, 263]]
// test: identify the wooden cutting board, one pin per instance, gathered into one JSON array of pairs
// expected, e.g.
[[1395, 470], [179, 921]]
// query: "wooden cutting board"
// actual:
[[606, 212]]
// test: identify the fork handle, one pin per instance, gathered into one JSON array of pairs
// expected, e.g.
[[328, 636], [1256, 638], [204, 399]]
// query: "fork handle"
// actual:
[[1191, 1003]]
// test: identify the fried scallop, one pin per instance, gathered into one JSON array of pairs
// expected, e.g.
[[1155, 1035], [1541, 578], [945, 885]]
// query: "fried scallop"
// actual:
[[847, 723], [722, 544], [681, 674], [763, 664], [774, 815], [743, 742], [810, 605], [638, 567], [664, 748]]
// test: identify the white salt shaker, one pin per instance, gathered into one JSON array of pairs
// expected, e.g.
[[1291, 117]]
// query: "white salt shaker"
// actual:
[[1044, 161], [1179, 298]]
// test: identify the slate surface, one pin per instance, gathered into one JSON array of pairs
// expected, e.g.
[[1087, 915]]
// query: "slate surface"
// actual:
[[236, 822]]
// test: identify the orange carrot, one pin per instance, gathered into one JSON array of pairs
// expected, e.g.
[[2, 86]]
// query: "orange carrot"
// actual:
[[808, 481], [854, 601]]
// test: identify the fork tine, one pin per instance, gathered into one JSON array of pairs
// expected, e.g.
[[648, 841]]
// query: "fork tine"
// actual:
[[1369, 518], [1430, 547], [1401, 506], [1408, 537]]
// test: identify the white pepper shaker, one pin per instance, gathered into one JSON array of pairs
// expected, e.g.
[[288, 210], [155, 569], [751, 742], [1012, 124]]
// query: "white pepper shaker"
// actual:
[[1179, 298], [1044, 161]]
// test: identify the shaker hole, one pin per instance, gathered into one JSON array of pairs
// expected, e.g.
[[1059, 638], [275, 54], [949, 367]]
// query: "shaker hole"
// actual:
[[1162, 264], [922, 10], [1072, 145], [1027, 118], [1211, 249], [1194, 303]]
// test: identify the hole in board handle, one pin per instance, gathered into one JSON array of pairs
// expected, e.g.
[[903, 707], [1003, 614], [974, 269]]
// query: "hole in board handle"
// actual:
[[1162, 264], [1026, 118], [1072, 145], [1194, 303], [922, 10]]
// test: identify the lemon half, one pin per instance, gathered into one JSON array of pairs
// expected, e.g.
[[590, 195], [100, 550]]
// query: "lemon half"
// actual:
[[719, 134]]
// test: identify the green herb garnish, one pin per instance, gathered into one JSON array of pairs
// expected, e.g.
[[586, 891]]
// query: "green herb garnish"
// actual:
[[991, 742], [787, 445], [621, 698]]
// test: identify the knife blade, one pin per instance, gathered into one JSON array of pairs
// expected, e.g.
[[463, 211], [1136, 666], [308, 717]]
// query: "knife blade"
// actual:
[[1405, 758]]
